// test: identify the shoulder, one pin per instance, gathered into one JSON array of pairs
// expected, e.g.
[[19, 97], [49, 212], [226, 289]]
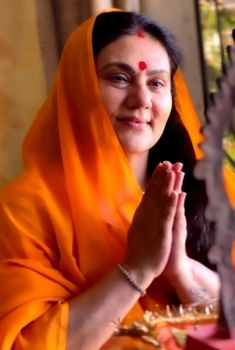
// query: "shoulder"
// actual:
[[31, 208]]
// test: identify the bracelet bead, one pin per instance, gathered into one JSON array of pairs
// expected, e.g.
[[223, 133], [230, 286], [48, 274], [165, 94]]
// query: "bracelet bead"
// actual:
[[131, 280]]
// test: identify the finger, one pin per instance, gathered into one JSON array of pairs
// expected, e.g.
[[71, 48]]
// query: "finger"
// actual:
[[178, 253], [167, 165], [172, 204], [166, 216], [177, 166], [179, 178], [179, 175], [180, 220], [181, 200], [162, 181]]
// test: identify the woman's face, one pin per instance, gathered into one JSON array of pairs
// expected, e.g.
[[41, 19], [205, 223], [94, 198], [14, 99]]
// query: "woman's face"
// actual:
[[135, 83]]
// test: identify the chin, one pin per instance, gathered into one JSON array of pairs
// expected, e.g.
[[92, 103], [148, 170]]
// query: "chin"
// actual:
[[137, 144], [135, 149]]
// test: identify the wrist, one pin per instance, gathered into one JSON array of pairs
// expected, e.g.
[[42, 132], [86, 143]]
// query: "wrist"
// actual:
[[180, 274], [131, 279], [143, 277]]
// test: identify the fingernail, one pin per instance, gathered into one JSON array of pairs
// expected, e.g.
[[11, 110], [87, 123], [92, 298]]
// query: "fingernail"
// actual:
[[178, 166], [167, 165], [159, 167], [166, 162]]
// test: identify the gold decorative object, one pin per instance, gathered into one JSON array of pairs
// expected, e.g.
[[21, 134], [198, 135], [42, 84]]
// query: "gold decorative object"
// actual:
[[174, 317]]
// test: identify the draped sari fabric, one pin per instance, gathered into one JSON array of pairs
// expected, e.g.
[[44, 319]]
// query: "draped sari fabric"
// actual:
[[62, 220]]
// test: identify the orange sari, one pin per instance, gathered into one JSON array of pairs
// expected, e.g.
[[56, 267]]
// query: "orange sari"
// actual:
[[65, 216]]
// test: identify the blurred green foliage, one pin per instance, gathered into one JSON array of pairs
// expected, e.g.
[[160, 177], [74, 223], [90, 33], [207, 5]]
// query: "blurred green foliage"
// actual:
[[216, 24], [229, 148]]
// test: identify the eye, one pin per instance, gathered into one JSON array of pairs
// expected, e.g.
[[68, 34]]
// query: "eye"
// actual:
[[156, 83], [120, 79]]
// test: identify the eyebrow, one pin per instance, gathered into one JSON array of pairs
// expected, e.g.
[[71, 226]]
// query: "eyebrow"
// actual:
[[129, 69], [119, 65]]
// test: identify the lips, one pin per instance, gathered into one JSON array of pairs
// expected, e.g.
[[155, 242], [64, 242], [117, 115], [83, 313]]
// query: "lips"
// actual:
[[133, 121]]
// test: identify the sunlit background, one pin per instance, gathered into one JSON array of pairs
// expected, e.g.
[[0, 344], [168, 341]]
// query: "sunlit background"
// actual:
[[32, 34], [217, 18]]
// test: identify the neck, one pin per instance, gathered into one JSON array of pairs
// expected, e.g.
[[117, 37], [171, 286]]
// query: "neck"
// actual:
[[138, 164]]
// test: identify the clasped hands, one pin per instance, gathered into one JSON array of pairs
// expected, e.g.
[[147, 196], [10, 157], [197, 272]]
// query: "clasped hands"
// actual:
[[157, 235]]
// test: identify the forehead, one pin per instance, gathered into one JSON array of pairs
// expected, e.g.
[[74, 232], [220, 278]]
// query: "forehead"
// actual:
[[132, 49]]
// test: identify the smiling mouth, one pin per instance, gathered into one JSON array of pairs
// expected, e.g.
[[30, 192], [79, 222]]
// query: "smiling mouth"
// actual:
[[134, 122]]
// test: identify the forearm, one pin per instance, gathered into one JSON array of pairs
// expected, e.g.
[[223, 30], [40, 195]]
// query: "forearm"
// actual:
[[92, 313], [206, 278], [195, 283]]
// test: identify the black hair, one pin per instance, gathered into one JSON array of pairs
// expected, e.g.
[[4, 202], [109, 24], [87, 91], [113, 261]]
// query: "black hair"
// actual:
[[175, 144], [109, 26]]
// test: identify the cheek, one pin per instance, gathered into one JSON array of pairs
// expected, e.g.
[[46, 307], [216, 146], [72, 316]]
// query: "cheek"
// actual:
[[111, 99], [162, 107]]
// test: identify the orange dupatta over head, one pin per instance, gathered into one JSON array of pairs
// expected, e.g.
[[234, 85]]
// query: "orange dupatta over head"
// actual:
[[64, 222]]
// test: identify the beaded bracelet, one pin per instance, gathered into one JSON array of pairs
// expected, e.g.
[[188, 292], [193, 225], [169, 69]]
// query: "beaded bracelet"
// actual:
[[130, 279]]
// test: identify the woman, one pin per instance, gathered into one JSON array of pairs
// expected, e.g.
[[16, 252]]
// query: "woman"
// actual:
[[75, 253]]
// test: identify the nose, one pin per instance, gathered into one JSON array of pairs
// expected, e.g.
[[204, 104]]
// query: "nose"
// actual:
[[139, 97]]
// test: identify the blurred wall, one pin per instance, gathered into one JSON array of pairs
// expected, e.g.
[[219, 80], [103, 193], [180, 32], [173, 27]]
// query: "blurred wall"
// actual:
[[22, 78], [22, 84]]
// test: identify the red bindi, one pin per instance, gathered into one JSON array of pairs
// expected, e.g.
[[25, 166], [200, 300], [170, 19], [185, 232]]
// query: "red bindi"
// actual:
[[142, 65], [141, 34]]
